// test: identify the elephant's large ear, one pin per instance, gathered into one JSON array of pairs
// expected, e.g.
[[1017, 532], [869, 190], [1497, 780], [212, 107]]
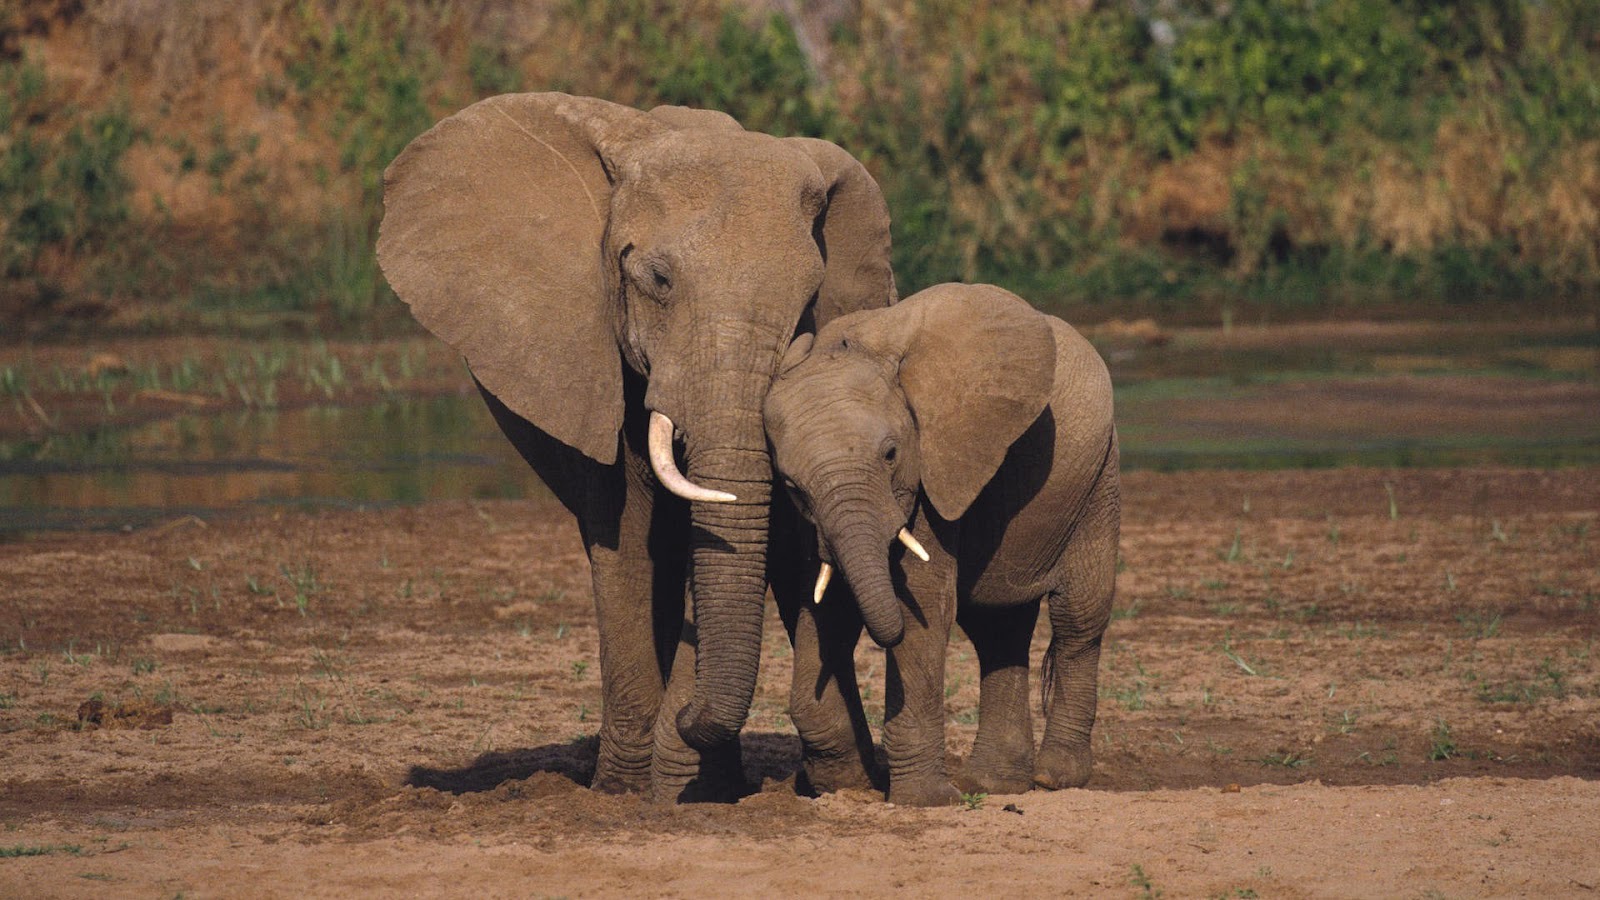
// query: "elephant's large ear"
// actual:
[[492, 230], [978, 369], [854, 235]]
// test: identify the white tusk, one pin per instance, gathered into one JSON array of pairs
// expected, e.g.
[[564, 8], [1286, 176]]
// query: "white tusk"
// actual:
[[667, 470], [824, 575], [912, 545]]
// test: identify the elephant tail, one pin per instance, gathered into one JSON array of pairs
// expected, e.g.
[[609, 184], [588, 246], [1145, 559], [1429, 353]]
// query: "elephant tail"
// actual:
[[1047, 674]]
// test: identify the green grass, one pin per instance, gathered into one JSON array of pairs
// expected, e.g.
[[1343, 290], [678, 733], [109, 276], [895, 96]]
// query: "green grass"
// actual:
[[1442, 745], [18, 851], [1143, 883]]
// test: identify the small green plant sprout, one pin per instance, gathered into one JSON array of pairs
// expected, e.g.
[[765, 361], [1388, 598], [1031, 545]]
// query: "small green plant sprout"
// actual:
[[1443, 745], [1288, 759], [1394, 509], [303, 580], [971, 802], [1480, 623], [1235, 658], [579, 668], [1234, 550], [1138, 878], [1128, 611]]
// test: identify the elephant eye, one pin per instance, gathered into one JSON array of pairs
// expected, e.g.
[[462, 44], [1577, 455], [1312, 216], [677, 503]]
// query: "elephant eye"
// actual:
[[890, 453], [656, 282]]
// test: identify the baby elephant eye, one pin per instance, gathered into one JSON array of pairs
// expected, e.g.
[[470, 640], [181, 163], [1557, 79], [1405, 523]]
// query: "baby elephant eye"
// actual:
[[889, 454]]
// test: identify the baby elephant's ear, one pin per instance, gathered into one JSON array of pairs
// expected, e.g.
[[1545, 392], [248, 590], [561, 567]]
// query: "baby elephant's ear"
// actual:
[[979, 368]]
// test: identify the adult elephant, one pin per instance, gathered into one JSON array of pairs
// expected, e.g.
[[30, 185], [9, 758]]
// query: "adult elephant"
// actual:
[[616, 278]]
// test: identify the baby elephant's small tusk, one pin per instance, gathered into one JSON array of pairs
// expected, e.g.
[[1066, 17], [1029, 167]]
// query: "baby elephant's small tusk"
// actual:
[[666, 469], [824, 575], [912, 545]]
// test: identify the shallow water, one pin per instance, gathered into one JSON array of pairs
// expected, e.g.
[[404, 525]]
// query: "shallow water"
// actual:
[[1534, 404], [399, 451]]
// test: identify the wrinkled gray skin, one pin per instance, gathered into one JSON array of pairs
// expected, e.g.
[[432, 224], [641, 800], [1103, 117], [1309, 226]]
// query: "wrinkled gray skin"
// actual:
[[595, 263], [984, 427]]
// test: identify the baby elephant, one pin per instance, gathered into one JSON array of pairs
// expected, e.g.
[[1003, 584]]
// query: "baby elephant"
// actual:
[[977, 433]]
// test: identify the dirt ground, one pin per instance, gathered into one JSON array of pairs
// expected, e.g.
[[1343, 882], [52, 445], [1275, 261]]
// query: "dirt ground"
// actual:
[[1337, 683]]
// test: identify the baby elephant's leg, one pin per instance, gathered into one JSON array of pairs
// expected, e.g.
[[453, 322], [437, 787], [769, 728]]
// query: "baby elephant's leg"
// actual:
[[913, 726], [824, 701], [1078, 616], [1001, 761]]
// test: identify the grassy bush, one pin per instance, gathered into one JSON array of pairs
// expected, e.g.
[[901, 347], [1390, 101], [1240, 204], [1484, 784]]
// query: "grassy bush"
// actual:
[[1184, 157], [63, 192]]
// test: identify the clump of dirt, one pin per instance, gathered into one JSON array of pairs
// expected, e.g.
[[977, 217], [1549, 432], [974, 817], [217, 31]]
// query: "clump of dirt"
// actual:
[[94, 712]]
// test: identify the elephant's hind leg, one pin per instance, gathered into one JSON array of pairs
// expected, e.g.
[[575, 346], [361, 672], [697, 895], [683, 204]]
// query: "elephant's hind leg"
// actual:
[[1001, 761], [1078, 617]]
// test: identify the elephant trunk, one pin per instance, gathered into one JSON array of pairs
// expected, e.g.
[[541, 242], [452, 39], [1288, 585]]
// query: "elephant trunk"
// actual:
[[728, 551], [856, 536]]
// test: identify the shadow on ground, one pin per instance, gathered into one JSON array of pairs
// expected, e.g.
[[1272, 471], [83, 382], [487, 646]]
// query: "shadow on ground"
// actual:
[[767, 757]]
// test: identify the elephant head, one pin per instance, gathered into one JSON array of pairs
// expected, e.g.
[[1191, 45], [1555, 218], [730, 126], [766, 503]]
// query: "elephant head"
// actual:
[[554, 240], [884, 407]]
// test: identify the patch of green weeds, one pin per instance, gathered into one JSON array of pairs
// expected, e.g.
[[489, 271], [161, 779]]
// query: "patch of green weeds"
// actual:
[[1386, 755], [1549, 681], [973, 801], [1120, 612], [1442, 745], [1130, 693], [1234, 550], [1480, 623], [1249, 667], [1344, 723], [1143, 883], [303, 583], [1289, 759], [17, 851]]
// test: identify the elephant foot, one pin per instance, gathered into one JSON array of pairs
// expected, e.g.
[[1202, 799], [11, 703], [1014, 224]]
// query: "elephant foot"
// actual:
[[1059, 768], [620, 783], [717, 776], [976, 778], [616, 775], [826, 774], [923, 791], [998, 768]]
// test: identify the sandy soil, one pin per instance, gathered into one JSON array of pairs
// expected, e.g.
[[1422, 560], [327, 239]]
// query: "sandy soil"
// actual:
[[1341, 683]]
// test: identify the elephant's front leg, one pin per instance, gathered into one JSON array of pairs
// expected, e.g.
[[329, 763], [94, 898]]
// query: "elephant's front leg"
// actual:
[[913, 727], [680, 773], [638, 593], [630, 558], [836, 749]]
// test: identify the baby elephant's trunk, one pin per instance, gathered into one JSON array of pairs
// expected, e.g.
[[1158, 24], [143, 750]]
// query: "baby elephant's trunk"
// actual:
[[863, 554]]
